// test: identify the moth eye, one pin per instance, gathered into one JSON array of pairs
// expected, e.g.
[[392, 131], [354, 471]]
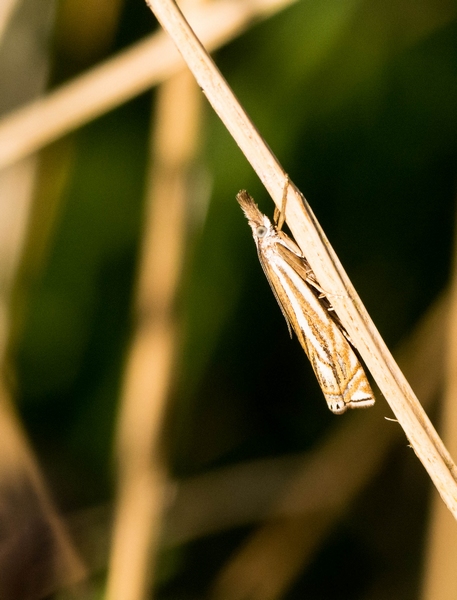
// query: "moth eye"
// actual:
[[261, 231]]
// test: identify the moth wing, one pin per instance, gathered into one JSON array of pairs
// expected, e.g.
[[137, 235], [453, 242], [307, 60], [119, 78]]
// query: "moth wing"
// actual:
[[303, 268], [277, 290], [343, 381], [334, 360]]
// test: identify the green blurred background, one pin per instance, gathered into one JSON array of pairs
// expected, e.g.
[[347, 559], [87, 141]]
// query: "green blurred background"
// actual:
[[358, 101]]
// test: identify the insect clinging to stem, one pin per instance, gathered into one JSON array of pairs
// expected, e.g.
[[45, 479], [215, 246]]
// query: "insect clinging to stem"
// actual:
[[308, 311]]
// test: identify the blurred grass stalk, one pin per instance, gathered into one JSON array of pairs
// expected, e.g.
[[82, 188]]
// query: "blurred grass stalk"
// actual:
[[440, 573], [6, 10], [28, 514], [420, 432], [151, 365], [36, 554], [117, 80]]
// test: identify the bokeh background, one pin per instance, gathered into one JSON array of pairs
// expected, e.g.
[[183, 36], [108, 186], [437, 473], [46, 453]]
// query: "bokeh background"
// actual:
[[358, 101]]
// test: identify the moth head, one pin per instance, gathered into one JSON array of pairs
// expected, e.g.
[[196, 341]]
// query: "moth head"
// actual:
[[260, 224], [261, 230]]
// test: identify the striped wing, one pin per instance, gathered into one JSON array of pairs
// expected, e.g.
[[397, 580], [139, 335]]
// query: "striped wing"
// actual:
[[335, 363]]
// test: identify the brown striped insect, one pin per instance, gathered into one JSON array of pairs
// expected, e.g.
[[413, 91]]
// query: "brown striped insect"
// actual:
[[308, 312]]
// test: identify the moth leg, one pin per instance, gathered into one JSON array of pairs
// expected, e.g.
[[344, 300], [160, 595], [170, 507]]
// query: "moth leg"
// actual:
[[280, 215], [323, 294], [311, 279]]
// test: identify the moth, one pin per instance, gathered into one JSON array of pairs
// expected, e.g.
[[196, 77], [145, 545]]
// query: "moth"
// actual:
[[308, 313]]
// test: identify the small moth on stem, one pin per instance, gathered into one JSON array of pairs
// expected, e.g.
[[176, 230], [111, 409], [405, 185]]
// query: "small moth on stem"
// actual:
[[307, 311]]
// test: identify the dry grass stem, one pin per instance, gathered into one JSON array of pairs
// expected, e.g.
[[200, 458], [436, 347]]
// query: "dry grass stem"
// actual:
[[440, 580], [420, 432], [119, 79], [142, 480]]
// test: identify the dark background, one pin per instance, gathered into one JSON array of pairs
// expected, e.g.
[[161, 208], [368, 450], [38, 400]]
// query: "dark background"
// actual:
[[358, 101]]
